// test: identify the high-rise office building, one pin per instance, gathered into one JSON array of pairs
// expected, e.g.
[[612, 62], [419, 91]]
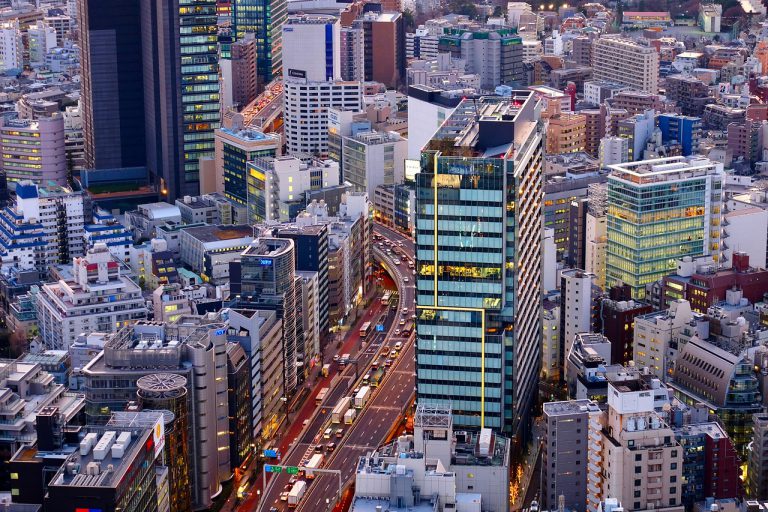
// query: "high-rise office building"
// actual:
[[306, 119], [268, 274], [478, 229], [496, 55], [624, 61], [112, 94], [181, 90], [659, 211], [264, 19], [312, 47]]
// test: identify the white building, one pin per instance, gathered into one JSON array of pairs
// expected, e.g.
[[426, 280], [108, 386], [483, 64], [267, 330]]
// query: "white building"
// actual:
[[428, 108], [372, 158], [305, 112], [597, 91], [285, 180], [532, 48], [310, 315], [97, 299], [515, 10], [613, 151], [710, 16], [11, 47], [624, 61], [653, 335], [41, 38], [311, 47], [637, 459], [44, 227], [596, 244], [463, 471], [553, 45], [422, 44], [576, 309], [747, 228], [260, 334]]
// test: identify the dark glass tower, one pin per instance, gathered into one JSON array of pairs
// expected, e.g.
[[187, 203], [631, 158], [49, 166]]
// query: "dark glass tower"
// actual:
[[112, 93], [181, 90], [265, 19]]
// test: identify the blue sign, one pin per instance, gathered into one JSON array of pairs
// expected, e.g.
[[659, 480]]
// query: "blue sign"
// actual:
[[219, 332], [267, 468], [379, 327], [265, 263], [270, 453]]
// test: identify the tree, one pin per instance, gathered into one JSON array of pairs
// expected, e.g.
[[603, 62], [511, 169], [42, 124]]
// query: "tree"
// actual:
[[498, 11], [409, 20]]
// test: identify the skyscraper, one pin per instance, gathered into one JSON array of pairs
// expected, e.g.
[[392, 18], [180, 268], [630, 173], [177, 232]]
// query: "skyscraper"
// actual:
[[478, 230], [659, 211], [112, 94], [181, 90], [265, 19]]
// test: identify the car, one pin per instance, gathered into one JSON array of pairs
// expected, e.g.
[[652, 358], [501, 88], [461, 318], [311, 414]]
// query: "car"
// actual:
[[398, 346], [410, 264], [402, 321], [339, 432], [284, 496], [388, 363], [293, 480], [356, 390], [328, 432], [405, 310], [330, 447], [396, 262], [304, 423], [405, 279], [397, 332], [287, 487], [380, 244], [318, 448], [385, 348], [273, 509], [400, 244], [336, 357], [414, 272], [375, 364]]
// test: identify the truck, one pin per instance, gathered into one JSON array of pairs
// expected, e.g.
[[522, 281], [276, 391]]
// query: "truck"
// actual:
[[340, 409], [344, 359], [314, 463], [321, 396], [362, 397], [350, 416], [297, 492]]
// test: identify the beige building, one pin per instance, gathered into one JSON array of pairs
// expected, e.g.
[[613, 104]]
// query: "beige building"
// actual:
[[624, 61], [566, 133], [637, 459]]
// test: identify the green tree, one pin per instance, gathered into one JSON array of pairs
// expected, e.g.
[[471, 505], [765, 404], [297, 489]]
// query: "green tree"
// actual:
[[409, 20]]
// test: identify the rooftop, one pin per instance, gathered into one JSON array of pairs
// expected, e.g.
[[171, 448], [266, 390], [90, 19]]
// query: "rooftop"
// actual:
[[106, 453], [209, 233], [664, 169], [569, 407]]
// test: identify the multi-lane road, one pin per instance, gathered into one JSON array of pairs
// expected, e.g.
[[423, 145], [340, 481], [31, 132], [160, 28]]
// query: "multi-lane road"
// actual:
[[383, 411]]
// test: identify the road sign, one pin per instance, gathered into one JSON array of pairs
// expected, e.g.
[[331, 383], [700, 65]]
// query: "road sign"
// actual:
[[292, 470], [273, 469], [379, 327]]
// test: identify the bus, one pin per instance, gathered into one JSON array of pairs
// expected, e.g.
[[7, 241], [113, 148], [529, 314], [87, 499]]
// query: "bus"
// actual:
[[321, 396], [385, 298], [365, 329], [376, 377]]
